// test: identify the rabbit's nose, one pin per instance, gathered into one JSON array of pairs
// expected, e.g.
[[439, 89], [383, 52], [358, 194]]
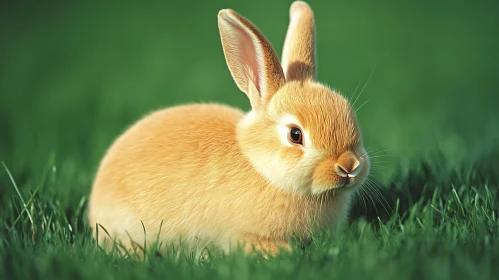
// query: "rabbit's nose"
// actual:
[[347, 165]]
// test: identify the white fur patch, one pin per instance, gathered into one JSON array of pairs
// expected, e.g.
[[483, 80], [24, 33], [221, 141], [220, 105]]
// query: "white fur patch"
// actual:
[[292, 177], [297, 178], [250, 118], [282, 131]]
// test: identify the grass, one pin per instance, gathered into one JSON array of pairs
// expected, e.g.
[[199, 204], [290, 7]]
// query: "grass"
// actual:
[[73, 77], [444, 228]]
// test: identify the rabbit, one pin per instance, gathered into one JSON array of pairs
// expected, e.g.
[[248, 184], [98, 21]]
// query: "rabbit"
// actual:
[[209, 173]]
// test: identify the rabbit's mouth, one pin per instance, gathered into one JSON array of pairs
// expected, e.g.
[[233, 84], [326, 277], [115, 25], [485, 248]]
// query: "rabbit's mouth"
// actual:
[[346, 184], [350, 182], [347, 181]]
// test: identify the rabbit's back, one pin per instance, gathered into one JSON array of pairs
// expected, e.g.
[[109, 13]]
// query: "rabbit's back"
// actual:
[[164, 169]]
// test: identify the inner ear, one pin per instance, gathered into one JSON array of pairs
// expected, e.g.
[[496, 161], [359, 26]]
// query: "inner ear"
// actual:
[[254, 94], [247, 51]]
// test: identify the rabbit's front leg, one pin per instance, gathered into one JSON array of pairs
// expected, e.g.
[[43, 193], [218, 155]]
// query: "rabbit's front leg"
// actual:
[[265, 246]]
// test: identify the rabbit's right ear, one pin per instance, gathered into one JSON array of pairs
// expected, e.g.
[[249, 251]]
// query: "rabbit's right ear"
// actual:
[[298, 54], [252, 61]]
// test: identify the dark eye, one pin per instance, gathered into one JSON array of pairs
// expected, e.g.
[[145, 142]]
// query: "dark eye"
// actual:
[[295, 135]]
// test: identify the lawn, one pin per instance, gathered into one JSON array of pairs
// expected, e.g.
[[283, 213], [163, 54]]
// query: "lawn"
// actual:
[[425, 75]]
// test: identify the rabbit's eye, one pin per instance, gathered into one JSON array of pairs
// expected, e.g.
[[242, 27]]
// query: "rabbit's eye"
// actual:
[[295, 135]]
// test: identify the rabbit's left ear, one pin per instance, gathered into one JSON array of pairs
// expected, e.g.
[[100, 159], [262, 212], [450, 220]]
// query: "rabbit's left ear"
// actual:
[[298, 54], [251, 59]]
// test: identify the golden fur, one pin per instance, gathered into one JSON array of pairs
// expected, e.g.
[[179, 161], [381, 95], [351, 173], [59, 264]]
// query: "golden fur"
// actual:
[[209, 173]]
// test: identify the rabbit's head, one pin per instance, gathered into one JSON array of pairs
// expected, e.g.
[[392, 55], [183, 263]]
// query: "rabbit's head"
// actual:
[[300, 135]]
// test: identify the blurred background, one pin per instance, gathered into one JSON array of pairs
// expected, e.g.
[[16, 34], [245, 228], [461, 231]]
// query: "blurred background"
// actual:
[[75, 75]]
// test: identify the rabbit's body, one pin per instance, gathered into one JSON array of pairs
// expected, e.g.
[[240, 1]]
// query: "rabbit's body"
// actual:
[[209, 173], [204, 189]]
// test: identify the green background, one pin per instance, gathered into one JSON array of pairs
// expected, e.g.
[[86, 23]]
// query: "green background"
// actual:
[[73, 76]]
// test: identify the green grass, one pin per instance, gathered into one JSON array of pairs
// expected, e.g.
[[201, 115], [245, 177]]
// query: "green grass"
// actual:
[[73, 77]]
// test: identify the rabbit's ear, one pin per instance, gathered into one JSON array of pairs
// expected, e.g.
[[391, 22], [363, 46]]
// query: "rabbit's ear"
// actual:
[[298, 54], [252, 61]]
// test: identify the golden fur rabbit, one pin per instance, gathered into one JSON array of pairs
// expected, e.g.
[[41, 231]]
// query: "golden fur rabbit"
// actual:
[[209, 173]]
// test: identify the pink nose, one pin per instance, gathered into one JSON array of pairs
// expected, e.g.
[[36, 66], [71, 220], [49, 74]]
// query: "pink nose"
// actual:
[[347, 165]]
